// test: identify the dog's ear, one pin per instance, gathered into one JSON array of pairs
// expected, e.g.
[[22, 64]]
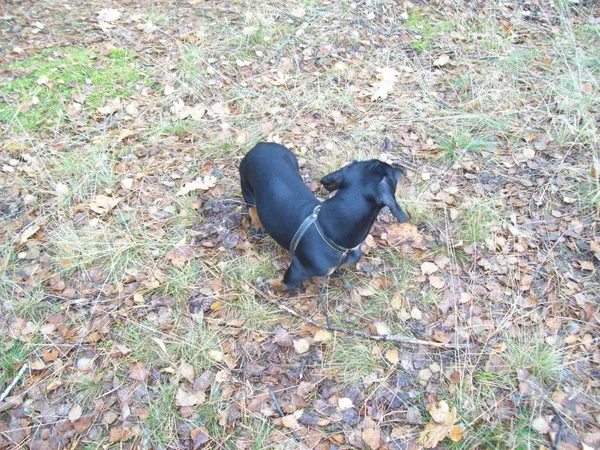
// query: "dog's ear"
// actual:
[[334, 180], [386, 195]]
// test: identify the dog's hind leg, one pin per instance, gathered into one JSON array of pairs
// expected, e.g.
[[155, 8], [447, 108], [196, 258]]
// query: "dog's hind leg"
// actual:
[[250, 200]]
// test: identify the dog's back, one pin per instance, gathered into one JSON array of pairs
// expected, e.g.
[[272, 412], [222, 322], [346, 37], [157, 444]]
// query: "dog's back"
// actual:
[[272, 183]]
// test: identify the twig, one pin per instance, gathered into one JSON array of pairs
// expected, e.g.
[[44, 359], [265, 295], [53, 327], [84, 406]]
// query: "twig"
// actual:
[[391, 338], [14, 382], [281, 413]]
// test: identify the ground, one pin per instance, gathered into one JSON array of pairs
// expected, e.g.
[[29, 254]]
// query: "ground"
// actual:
[[129, 313]]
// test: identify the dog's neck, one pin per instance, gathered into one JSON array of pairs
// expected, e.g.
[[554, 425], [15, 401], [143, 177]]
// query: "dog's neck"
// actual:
[[347, 218]]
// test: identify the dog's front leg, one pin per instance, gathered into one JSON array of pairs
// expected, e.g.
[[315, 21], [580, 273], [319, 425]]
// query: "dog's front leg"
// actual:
[[295, 275]]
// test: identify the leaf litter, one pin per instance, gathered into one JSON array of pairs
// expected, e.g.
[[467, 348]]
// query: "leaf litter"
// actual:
[[160, 337]]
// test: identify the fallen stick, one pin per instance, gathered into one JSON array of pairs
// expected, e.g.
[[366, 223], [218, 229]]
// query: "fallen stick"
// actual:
[[14, 382], [386, 338]]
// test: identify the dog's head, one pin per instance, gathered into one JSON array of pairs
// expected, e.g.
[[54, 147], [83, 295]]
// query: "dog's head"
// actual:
[[375, 179]]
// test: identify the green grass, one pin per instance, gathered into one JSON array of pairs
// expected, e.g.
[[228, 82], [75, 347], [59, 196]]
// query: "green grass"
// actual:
[[70, 71], [253, 265], [543, 360], [503, 436], [353, 358], [161, 425], [114, 248], [189, 342], [422, 23], [86, 171], [257, 315], [476, 221], [13, 354]]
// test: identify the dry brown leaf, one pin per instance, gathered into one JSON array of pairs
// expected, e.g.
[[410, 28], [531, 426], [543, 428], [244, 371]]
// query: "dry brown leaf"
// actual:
[[372, 437], [199, 437], [441, 426], [28, 232], [109, 15], [103, 203], [216, 355], [290, 422], [393, 356]]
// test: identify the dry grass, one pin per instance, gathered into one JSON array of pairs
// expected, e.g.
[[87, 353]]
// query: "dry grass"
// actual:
[[508, 128]]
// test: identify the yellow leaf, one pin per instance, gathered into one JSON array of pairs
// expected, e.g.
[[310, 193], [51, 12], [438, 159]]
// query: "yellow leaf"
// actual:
[[392, 356], [456, 433], [203, 184], [322, 336], [372, 437]]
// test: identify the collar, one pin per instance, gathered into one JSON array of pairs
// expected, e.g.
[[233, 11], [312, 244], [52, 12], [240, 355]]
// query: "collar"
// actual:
[[310, 220]]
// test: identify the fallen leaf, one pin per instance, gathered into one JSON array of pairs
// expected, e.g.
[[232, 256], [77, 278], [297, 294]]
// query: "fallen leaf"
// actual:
[[199, 437], [203, 184], [28, 232], [61, 189], [382, 88], [103, 203], [428, 268], [416, 313], [301, 346], [109, 15], [381, 328], [540, 425], [161, 344], [37, 364], [437, 282], [75, 413], [290, 422], [392, 356], [322, 336], [372, 437], [50, 355], [185, 398], [42, 80], [397, 301], [216, 355], [345, 403], [187, 371], [126, 133], [441, 426], [132, 109], [441, 61], [298, 12]]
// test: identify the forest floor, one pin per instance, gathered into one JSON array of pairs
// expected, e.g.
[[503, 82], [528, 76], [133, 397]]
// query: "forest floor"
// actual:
[[129, 316]]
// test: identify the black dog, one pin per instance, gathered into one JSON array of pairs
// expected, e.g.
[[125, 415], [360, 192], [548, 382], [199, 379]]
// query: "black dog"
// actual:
[[320, 236]]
